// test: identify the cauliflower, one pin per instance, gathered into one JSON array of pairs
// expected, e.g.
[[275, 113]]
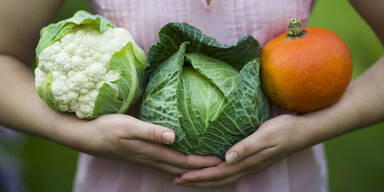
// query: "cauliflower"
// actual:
[[93, 69]]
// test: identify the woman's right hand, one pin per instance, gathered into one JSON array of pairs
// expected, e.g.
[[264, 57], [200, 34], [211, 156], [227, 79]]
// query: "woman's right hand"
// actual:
[[128, 139]]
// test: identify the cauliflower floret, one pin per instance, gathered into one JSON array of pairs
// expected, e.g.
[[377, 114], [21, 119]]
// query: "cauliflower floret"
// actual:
[[39, 76], [79, 65]]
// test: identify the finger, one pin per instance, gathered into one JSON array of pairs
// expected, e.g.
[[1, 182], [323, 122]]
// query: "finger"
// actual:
[[246, 147], [172, 157], [178, 159], [167, 168], [215, 183], [151, 132], [252, 163], [212, 173], [196, 161]]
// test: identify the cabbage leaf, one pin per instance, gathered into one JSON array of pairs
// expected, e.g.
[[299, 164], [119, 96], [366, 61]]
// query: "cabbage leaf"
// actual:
[[208, 93]]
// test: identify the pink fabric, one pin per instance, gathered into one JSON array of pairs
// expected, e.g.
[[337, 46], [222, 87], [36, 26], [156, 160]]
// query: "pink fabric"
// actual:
[[226, 20]]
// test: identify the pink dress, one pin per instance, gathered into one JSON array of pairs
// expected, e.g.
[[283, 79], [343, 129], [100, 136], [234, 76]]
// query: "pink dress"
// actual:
[[226, 20]]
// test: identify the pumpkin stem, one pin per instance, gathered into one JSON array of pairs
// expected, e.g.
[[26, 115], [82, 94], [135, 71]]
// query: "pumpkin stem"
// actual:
[[295, 29]]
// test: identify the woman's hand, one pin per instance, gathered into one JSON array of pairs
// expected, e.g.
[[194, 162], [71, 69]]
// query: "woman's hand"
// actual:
[[128, 139], [275, 139]]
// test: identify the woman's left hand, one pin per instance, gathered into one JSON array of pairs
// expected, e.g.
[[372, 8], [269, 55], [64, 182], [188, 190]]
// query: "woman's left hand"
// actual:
[[274, 140]]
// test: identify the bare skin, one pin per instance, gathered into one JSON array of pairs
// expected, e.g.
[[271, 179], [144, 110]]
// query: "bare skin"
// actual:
[[361, 105], [121, 137]]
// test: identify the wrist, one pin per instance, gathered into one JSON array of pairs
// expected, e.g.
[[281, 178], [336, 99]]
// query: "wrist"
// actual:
[[66, 130], [312, 130], [327, 123]]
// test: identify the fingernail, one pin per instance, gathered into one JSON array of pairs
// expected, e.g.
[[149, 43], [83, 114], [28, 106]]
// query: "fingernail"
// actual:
[[168, 137], [231, 157], [177, 180]]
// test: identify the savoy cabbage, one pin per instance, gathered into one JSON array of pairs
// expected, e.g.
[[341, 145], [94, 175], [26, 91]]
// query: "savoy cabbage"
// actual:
[[208, 93]]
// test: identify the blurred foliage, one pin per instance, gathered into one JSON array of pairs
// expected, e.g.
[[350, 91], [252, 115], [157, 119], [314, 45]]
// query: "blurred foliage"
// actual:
[[354, 160]]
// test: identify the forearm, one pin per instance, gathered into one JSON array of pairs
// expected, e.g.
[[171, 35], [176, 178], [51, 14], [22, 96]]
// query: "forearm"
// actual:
[[361, 105], [21, 108]]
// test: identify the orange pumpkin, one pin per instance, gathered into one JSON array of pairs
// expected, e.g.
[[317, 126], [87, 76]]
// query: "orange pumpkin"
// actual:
[[305, 69]]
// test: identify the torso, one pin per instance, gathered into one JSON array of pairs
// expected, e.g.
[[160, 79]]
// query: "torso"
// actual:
[[226, 20]]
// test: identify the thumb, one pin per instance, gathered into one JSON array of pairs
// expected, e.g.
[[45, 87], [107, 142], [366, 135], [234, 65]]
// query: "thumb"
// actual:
[[244, 148], [154, 133]]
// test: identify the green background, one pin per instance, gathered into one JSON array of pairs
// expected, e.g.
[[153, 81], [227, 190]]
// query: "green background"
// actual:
[[355, 160]]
